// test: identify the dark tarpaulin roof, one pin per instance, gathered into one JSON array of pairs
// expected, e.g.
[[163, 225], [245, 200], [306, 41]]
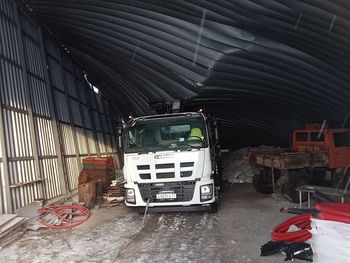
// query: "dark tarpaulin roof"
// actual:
[[263, 67]]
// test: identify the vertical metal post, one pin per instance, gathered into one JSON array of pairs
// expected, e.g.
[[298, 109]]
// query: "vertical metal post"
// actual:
[[273, 180], [34, 140], [62, 175], [108, 124], [75, 140], [81, 111], [100, 116], [89, 91], [5, 182], [273, 175]]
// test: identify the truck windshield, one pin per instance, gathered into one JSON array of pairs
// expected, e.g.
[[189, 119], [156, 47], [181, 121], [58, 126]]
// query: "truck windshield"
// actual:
[[171, 133]]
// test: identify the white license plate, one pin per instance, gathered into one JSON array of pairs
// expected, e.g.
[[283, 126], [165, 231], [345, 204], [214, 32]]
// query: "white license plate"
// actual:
[[166, 196]]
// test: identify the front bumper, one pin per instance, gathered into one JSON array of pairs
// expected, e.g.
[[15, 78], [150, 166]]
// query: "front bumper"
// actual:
[[187, 193], [166, 209]]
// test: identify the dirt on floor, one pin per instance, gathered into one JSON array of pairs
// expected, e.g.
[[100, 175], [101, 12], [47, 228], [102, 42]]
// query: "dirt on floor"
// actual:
[[234, 234]]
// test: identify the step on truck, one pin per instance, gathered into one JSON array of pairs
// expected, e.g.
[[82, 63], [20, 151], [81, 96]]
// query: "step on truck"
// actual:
[[319, 156], [171, 162]]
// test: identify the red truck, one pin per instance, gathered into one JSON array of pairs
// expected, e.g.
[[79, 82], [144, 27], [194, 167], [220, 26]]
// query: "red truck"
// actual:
[[319, 156]]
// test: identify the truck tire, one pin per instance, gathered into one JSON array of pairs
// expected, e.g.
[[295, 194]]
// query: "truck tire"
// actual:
[[263, 182], [288, 189]]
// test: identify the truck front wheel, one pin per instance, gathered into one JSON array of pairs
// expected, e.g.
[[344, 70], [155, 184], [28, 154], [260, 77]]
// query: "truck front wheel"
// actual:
[[263, 182]]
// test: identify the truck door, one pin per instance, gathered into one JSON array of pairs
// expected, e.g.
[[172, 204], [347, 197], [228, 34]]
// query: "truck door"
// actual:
[[340, 150]]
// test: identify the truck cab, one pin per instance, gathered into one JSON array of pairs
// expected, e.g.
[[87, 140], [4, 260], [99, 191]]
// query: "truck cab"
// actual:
[[336, 142], [168, 162]]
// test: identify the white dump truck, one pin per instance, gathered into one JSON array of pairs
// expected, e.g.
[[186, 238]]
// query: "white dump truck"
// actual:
[[171, 163]]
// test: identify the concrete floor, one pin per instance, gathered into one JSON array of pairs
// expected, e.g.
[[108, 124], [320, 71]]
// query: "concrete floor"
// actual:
[[234, 234]]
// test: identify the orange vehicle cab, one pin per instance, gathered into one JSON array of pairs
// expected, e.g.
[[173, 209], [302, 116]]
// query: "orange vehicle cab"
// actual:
[[336, 142]]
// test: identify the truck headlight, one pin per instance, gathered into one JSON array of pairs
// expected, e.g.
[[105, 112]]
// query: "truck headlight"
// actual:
[[206, 192], [130, 196]]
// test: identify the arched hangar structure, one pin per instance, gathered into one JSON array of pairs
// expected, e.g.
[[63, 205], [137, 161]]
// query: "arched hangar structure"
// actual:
[[264, 67]]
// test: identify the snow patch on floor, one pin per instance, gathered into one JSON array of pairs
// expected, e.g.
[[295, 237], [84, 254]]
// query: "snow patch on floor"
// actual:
[[70, 245]]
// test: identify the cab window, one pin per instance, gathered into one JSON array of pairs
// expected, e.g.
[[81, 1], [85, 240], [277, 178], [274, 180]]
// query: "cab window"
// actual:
[[316, 137], [302, 136], [341, 139]]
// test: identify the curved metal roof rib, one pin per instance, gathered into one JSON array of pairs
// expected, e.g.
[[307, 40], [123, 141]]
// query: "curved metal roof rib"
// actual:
[[265, 65]]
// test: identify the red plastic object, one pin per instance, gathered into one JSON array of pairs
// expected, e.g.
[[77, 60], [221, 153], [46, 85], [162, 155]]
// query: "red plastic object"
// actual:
[[334, 211], [303, 222], [102, 161]]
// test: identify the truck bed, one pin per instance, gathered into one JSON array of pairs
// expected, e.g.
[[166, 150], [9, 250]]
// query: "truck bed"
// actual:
[[285, 159]]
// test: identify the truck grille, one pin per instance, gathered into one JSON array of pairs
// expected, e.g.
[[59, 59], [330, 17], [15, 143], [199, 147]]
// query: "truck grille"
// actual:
[[187, 164], [145, 176], [165, 175], [165, 165], [143, 167], [165, 171], [184, 191]]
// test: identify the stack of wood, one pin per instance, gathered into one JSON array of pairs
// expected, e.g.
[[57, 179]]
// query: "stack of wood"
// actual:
[[114, 194], [11, 228], [116, 189], [98, 169], [96, 176]]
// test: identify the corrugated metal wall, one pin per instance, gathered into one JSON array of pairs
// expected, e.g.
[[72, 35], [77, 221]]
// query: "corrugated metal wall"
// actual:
[[50, 118]]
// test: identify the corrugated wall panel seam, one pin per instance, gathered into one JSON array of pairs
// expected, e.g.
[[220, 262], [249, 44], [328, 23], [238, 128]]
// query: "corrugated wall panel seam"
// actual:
[[73, 171], [91, 100], [91, 142], [55, 73], [39, 94], [61, 106], [101, 142], [29, 28], [86, 116], [110, 146], [5, 199], [60, 183], [33, 53], [81, 115], [30, 121], [81, 90], [36, 116], [7, 7], [14, 95], [72, 127], [17, 135], [10, 46]]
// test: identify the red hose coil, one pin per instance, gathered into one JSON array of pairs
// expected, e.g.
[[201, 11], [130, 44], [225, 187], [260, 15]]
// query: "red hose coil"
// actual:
[[303, 222], [79, 214], [339, 212]]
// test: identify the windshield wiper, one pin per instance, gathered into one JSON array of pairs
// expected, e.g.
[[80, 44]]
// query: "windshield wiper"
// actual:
[[145, 150], [184, 146]]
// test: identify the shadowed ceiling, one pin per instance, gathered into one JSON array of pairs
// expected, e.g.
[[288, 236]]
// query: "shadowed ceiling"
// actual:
[[263, 67]]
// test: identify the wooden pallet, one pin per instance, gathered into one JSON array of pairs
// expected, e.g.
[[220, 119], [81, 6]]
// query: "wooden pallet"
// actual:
[[11, 228]]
